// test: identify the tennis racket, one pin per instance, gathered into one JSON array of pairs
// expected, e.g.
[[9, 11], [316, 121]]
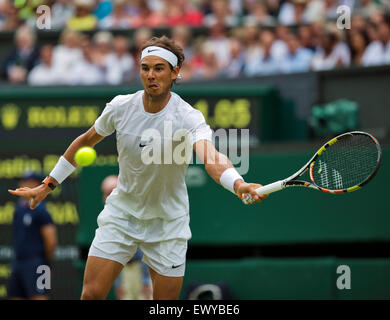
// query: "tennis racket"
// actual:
[[344, 164]]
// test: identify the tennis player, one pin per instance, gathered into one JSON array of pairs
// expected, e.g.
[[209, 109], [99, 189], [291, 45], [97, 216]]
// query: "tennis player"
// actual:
[[149, 208]]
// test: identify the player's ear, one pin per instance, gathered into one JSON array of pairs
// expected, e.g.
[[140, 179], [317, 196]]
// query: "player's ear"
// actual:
[[175, 72]]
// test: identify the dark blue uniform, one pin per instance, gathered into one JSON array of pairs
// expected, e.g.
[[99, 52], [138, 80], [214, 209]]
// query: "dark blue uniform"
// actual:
[[29, 252]]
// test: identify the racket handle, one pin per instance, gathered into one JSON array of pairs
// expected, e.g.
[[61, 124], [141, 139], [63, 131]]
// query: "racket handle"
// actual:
[[267, 189]]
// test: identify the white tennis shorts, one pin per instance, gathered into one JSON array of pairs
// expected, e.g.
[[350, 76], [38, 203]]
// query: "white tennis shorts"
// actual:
[[164, 243]]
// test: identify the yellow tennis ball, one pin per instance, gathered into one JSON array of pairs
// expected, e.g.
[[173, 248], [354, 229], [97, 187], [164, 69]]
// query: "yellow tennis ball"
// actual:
[[85, 156]]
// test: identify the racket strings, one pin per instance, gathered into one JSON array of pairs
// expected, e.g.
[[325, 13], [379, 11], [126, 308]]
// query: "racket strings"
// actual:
[[347, 163]]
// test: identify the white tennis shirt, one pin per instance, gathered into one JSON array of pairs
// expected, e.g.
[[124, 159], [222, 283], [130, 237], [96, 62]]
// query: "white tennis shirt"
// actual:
[[154, 190]]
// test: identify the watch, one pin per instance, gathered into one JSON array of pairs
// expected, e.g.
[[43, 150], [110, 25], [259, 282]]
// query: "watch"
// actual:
[[49, 183]]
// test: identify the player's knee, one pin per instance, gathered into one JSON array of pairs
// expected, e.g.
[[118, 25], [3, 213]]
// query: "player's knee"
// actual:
[[92, 292]]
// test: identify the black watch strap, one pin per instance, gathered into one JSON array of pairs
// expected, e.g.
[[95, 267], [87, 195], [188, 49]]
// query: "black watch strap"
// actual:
[[47, 182]]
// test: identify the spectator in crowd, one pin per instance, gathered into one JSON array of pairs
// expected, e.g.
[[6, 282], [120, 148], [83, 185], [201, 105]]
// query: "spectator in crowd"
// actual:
[[237, 60], [253, 49], [305, 37], [219, 40], [205, 63], [121, 62], [292, 12], [267, 63], [182, 35], [23, 57], [44, 74], [9, 16], [140, 37], [182, 12], [145, 17], [134, 282], [221, 13], [34, 244], [279, 47], [104, 8], [119, 17], [298, 58], [258, 14], [60, 12], [378, 52], [67, 53], [102, 44], [366, 8], [358, 42], [85, 71], [331, 54], [84, 19]]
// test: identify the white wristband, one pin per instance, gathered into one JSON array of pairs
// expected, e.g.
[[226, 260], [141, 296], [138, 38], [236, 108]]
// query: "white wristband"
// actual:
[[228, 177], [62, 170]]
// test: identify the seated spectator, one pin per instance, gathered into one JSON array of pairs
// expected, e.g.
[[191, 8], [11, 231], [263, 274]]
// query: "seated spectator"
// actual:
[[292, 12], [84, 20], [23, 57], [358, 42], [378, 52], [366, 8], [237, 60], [266, 63], [61, 12], [331, 54], [118, 19], [220, 13], [182, 12], [205, 65], [298, 58], [85, 71], [140, 37], [144, 16], [182, 36], [9, 16], [317, 10], [44, 74], [120, 63], [219, 40], [305, 37], [258, 14], [102, 43], [103, 9], [67, 53]]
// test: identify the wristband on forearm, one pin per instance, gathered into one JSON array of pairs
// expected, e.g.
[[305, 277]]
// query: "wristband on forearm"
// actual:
[[228, 178], [62, 170]]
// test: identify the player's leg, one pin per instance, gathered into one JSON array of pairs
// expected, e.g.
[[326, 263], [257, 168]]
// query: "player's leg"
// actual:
[[99, 275], [165, 288], [166, 261]]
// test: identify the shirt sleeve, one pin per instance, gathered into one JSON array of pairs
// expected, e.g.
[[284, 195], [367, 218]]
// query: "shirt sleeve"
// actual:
[[195, 123], [44, 217], [105, 124]]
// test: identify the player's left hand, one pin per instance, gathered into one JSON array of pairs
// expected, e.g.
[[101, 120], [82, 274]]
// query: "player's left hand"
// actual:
[[243, 189]]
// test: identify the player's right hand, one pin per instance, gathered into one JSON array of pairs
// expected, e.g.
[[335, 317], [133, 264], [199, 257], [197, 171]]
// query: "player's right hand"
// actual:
[[34, 195]]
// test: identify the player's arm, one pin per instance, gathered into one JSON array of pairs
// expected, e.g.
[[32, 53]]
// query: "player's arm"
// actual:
[[49, 236], [221, 170], [64, 167]]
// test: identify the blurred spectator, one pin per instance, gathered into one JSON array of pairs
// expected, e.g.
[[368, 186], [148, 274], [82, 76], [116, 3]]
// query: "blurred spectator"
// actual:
[[258, 14], [358, 42], [67, 53], [44, 74], [279, 47], [378, 52], [298, 58], [317, 10], [237, 60], [253, 49], [144, 16], [292, 12], [83, 20], [358, 23], [118, 19], [268, 62], [61, 12], [9, 17], [182, 36], [331, 53], [220, 43], [305, 37], [366, 8], [182, 12], [140, 37], [205, 63], [102, 43], [23, 57], [221, 13], [120, 63], [85, 71]]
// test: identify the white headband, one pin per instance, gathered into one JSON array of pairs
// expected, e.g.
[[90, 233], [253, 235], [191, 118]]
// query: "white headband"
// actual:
[[160, 52]]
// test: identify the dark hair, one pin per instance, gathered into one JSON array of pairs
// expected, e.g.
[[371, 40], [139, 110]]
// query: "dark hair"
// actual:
[[169, 44]]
